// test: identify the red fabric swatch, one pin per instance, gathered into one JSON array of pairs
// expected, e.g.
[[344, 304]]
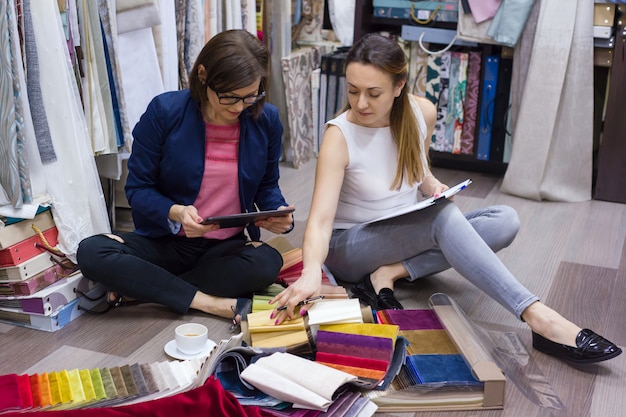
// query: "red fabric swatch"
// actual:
[[11, 399]]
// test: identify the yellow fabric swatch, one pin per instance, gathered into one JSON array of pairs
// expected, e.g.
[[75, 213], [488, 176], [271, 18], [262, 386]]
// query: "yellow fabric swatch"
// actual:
[[279, 339], [55, 388], [64, 387], [261, 322], [369, 329], [261, 303], [87, 383], [76, 386], [425, 342]]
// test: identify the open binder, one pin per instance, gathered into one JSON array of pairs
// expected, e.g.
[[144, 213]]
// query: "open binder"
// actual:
[[487, 393]]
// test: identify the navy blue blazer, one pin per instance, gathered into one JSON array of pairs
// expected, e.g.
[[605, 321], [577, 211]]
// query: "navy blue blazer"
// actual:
[[168, 154]]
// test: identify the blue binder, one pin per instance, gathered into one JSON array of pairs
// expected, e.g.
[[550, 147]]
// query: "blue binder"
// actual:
[[487, 99]]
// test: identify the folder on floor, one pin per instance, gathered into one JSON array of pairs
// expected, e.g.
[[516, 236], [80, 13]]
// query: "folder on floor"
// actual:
[[26, 269], [28, 248], [23, 229]]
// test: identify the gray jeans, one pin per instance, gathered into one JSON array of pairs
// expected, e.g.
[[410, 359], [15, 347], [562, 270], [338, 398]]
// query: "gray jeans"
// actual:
[[432, 240]]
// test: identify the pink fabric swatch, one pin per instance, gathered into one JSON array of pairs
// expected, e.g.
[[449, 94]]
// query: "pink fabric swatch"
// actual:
[[484, 9]]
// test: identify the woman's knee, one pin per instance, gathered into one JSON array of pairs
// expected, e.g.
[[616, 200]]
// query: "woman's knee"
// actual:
[[509, 223], [263, 262], [89, 254]]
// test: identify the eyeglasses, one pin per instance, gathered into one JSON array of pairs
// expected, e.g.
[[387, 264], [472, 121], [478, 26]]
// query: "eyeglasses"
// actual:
[[230, 100]]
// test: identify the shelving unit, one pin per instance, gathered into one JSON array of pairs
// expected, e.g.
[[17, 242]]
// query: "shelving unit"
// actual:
[[365, 22]]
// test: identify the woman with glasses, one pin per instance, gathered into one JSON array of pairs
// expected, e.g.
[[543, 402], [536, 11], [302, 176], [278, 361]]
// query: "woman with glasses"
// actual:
[[209, 150]]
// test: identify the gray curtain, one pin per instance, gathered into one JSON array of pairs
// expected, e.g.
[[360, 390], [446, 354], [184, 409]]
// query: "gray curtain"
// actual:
[[552, 104]]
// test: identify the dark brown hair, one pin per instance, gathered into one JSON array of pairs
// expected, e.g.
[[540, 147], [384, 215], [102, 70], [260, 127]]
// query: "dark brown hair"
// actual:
[[233, 59], [387, 56]]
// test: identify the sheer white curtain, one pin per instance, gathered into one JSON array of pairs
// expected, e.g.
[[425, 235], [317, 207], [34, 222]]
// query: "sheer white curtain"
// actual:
[[551, 157], [72, 181]]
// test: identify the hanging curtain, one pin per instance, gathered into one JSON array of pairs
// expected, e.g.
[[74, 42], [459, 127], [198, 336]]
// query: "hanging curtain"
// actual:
[[14, 175], [72, 181], [552, 150]]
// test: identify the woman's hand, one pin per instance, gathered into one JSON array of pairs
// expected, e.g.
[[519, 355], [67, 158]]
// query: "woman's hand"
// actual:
[[190, 221], [279, 224], [307, 286], [432, 187]]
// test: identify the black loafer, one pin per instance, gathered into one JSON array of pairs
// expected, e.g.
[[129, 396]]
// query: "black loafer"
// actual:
[[364, 291], [387, 301], [590, 348], [384, 300]]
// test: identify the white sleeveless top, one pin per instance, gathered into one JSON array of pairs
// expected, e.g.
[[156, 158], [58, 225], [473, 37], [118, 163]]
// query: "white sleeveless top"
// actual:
[[365, 193]]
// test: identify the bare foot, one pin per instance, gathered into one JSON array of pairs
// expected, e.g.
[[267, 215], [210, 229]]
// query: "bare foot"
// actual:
[[218, 306]]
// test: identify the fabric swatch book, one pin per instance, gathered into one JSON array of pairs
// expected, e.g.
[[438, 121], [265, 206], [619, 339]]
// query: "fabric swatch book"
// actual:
[[370, 351], [262, 332], [446, 366], [70, 389]]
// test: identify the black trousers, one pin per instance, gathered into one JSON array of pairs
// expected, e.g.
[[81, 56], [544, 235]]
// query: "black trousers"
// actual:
[[170, 270]]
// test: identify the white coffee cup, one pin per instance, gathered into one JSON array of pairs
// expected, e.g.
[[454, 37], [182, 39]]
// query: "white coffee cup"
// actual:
[[191, 338]]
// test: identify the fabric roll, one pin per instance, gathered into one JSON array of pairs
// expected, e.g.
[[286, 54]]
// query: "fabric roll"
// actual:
[[37, 109], [21, 102], [509, 21], [72, 181], [194, 37], [109, 30], [470, 109], [141, 17], [9, 168], [181, 19], [552, 150], [165, 41], [95, 86]]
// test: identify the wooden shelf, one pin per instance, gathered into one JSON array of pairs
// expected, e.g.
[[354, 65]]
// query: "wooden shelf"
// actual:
[[465, 162]]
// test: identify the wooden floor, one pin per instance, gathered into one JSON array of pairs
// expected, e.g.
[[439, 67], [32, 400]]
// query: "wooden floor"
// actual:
[[572, 255]]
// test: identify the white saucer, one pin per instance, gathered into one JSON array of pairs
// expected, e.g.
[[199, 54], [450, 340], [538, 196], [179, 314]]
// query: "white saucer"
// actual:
[[172, 350]]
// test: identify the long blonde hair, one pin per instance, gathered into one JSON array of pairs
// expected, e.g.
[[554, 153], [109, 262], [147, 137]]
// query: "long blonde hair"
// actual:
[[386, 55]]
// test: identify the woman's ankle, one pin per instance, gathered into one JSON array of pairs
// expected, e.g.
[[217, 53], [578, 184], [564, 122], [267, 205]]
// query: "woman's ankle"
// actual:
[[548, 323]]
